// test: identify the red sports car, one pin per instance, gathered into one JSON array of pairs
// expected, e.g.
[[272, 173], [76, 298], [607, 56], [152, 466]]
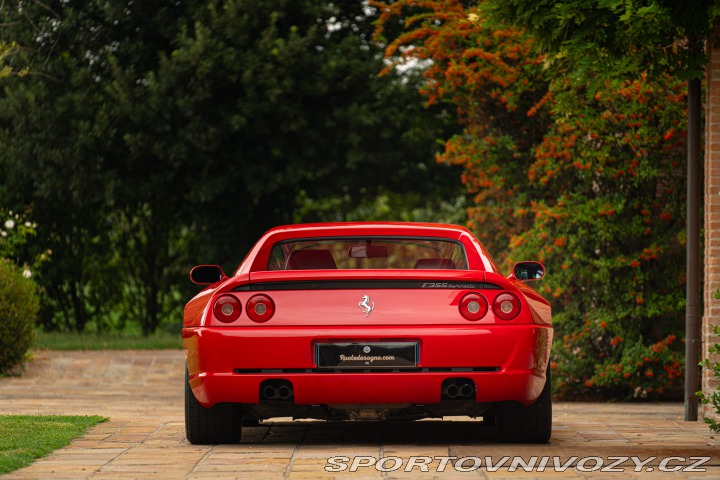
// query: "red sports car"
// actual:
[[367, 321]]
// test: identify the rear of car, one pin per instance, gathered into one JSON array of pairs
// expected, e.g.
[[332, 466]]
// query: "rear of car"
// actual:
[[370, 322]]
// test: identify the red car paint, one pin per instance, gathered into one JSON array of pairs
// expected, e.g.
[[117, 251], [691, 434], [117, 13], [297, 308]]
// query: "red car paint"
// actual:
[[506, 360]]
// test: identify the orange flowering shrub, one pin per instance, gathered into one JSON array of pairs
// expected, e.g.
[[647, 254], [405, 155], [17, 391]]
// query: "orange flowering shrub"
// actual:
[[492, 77], [594, 191], [611, 231]]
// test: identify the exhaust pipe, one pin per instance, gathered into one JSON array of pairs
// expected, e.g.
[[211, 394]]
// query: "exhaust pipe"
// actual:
[[270, 392], [467, 390], [458, 388], [284, 392], [276, 390], [451, 390]]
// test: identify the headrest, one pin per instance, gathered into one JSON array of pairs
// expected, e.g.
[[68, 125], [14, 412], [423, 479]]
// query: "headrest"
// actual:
[[435, 264], [311, 260]]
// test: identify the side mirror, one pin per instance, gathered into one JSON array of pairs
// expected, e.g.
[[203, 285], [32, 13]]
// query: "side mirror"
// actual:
[[207, 274], [529, 271]]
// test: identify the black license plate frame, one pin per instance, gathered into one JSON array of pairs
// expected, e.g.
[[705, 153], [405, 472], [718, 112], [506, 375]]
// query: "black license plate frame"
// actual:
[[366, 355]]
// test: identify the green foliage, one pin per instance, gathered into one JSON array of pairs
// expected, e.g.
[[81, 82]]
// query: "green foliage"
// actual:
[[600, 40], [611, 226], [620, 238], [18, 310], [16, 241], [25, 437], [712, 398], [19, 301], [156, 135], [7, 49], [54, 158], [383, 207], [489, 72], [590, 189]]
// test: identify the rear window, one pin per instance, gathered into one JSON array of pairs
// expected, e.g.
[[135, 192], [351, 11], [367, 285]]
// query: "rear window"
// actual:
[[368, 253]]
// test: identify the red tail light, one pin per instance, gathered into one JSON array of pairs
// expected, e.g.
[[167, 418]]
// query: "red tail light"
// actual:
[[506, 306], [473, 306], [227, 308], [260, 308]]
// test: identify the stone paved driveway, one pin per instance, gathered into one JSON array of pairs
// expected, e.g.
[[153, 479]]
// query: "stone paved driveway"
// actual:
[[141, 392]]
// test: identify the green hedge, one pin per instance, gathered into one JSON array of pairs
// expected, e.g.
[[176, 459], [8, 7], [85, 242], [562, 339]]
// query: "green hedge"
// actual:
[[19, 305]]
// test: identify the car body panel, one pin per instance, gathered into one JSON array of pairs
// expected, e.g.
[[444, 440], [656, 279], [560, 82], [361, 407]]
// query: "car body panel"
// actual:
[[507, 363], [505, 360]]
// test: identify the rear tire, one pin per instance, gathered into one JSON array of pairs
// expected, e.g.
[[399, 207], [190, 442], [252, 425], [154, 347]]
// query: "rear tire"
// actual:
[[221, 423], [517, 423]]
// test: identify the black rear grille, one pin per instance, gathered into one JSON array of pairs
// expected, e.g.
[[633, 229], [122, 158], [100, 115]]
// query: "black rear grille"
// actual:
[[369, 285]]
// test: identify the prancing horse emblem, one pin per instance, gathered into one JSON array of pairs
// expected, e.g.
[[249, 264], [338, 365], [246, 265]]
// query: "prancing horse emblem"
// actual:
[[365, 303]]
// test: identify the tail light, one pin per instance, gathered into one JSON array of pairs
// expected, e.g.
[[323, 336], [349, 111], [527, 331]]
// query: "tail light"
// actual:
[[260, 308], [227, 308], [473, 306], [506, 306]]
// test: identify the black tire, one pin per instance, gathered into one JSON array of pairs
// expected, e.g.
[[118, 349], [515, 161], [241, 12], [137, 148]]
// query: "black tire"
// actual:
[[221, 423], [517, 423]]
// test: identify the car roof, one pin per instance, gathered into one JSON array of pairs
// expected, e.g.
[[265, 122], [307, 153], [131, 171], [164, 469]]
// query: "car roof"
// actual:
[[257, 257], [365, 228]]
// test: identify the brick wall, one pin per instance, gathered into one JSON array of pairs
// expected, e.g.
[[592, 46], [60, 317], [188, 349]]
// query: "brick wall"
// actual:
[[711, 314]]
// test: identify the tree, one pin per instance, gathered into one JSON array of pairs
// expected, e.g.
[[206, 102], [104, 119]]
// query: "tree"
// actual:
[[237, 126], [599, 40], [583, 188], [660, 37], [490, 73], [613, 235], [173, 133], [52, 156]]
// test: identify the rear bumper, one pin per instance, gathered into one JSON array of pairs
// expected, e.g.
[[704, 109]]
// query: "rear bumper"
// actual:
[[228, 364]]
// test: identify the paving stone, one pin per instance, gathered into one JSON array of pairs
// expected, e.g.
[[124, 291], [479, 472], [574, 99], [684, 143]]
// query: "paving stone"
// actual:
[[142, 394]]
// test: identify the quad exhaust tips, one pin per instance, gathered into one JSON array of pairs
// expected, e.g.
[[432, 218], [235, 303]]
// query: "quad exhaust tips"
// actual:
[[276, 390], [457, 389], [276, 393], [452, 389]]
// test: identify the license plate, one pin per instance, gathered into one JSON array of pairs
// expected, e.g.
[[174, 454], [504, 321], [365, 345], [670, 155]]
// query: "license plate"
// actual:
[[383, 355]]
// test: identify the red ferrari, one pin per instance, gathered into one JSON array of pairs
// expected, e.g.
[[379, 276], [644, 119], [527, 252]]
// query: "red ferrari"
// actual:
[[367, 321]]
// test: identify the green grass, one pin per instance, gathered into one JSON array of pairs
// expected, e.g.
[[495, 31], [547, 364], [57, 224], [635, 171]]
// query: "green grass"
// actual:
[[109, 341], [24, 438]]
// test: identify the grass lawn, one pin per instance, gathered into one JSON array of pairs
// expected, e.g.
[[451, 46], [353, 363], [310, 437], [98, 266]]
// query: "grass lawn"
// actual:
[[107, 341], [24, 438]]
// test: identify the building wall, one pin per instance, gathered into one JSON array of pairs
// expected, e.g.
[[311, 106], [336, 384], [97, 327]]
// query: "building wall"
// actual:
[[711, 314]]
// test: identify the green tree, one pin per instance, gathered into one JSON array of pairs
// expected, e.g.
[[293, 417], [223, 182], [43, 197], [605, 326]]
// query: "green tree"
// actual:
[[257, 103], [592, 41], [158, 135], [52, 151]]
